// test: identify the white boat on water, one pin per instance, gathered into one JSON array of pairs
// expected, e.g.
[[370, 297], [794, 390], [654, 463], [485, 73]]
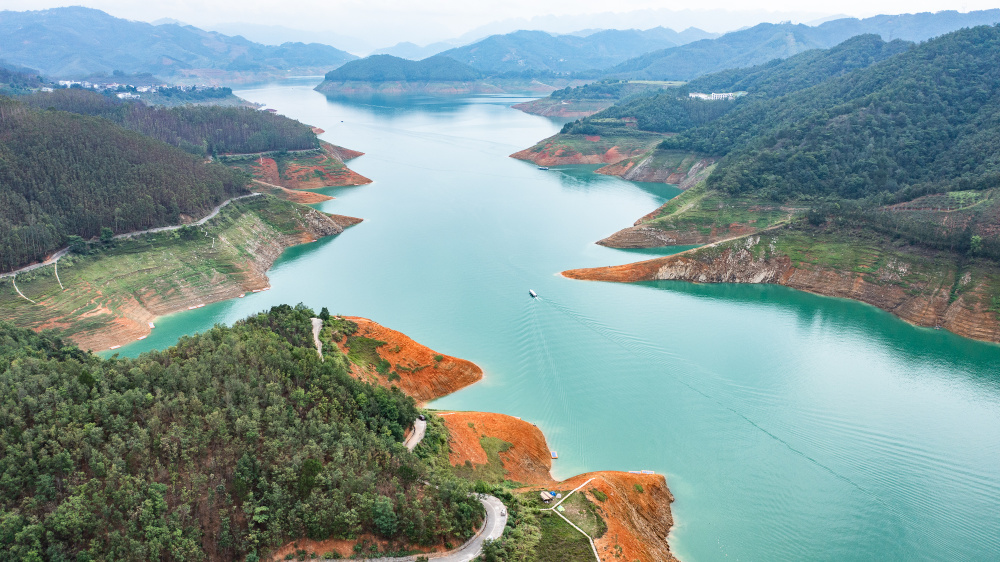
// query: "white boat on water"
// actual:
[[543, 167], [533, 294]]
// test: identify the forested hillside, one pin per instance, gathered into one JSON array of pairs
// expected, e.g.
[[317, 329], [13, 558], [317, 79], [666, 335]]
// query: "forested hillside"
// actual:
[[63, 174], [387, 68], [673, 111], [201, 130], [219, 448], [540, 51], [921, 121], [17, 80], [766, 41]]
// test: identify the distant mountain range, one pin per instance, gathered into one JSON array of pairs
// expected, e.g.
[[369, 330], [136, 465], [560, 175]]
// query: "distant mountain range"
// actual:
[[76, 41], [413, 51], [540, 51], [765, 42]]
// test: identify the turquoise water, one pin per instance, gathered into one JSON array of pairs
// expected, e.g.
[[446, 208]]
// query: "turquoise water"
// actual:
[[790, 426]]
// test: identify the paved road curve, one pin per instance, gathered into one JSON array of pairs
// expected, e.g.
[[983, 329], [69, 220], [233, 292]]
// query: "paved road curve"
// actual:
[[419, 429], [317, 326], [496, 520]]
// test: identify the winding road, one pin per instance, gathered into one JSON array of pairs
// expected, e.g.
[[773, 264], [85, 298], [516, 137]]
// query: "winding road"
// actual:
[[419, 429], [496, 521], [55, 257]]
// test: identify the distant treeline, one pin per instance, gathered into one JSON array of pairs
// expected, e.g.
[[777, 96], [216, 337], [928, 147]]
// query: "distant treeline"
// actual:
[[673, 111], [221, 448], [201, 130], [17, 80], [63, 174], [387, 68]]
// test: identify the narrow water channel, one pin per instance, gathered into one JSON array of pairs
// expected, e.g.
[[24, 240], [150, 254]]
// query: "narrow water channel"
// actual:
[[790, 426]]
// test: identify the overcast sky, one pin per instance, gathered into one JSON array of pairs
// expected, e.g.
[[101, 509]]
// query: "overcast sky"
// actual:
[[385, 22]]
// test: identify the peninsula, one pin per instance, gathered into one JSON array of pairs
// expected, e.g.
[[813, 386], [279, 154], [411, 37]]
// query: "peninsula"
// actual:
[[782, 185]]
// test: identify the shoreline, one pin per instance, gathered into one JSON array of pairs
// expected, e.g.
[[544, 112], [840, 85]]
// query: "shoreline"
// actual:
[[245, 247], [733, 260], [427, 374]]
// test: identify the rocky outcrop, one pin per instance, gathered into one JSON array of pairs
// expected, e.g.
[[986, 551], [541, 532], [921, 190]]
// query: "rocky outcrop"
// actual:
[[682, 170], [919, 297], [562, 150]]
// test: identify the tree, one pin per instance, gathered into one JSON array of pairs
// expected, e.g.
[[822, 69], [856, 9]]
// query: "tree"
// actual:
[[385, 516]]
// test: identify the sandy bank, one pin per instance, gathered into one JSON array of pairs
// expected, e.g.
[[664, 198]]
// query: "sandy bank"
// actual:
[[421, 375], [903, 285]]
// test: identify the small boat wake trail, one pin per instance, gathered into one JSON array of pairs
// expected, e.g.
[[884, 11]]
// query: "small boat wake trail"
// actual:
[[647, 350]]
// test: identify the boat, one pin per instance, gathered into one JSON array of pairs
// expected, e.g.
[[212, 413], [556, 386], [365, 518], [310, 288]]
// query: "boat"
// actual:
[[151, 325], [533, 294], [555, 455], [543, 167]]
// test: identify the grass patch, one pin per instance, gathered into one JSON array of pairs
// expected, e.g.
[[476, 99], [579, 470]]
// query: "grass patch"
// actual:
[[493, 471], [705, 211], [571, 145], [584, 515], [364, 352], [559, 541]]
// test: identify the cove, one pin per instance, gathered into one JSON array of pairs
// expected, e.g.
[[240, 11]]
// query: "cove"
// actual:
[[790, 426]]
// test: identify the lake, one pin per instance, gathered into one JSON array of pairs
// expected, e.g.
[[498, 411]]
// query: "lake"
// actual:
[[789, 426]]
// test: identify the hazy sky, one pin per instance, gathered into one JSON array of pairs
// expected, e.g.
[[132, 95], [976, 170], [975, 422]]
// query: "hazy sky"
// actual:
[[384, 22]]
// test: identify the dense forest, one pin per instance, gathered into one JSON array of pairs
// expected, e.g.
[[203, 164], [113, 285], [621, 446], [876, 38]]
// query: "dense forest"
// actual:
[[673, 111], [923, 121], [201, 130], [387, 68], [227, 444], [63, 174]]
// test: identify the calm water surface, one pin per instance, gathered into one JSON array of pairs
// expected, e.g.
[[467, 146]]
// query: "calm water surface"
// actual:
[[789, 426]]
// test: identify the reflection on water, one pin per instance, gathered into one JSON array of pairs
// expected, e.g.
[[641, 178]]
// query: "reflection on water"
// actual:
[[790, 426]]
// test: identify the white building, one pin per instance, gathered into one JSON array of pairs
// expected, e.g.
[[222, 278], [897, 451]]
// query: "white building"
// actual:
[[716, 95]]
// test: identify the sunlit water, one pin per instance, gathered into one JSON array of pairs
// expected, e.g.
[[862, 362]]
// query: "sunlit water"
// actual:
[[790, 426]]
